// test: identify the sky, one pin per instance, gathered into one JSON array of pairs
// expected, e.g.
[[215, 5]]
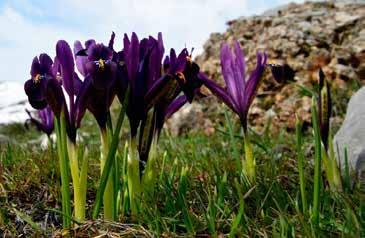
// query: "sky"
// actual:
[[31, 27]]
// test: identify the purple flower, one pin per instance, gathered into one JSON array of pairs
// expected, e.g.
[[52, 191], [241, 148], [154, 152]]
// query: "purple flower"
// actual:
[[181, 75], [143, 65], [95, 62], [42, 72], [48, 79], [155, 85], [44, 122], [240, 91]]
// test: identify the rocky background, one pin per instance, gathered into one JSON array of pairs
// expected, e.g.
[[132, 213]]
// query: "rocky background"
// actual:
[[305, 36]]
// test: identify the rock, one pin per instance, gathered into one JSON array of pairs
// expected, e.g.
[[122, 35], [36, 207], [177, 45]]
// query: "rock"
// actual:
[[351, 135], [305, 36], [187, 118]]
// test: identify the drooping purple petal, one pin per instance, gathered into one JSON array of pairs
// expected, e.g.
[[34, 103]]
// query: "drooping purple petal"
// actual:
[[219, 92], [163, 90], [36, 92], [46, 122], [175, 106], [55, 97]]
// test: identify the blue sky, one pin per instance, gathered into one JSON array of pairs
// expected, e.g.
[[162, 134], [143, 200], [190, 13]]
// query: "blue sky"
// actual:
[[30, 27]]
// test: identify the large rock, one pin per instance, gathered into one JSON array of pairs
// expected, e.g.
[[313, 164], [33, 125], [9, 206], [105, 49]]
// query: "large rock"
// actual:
[[306, 36], [352, 133]]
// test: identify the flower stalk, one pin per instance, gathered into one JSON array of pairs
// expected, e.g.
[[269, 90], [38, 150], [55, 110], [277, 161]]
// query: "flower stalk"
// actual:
[[149, 175], [249, 163], [133, 176], [108, 165], [108, 198]]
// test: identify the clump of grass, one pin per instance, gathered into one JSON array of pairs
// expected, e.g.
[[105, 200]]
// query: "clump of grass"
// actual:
[[199, 191]]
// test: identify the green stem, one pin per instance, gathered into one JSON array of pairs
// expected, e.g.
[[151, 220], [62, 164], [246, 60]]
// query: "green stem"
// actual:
[[149, 175], [108, 165], [317, 165], [133, 176], [108, 198], [124, 185], [79, 195], [249, 164], [65, 192]]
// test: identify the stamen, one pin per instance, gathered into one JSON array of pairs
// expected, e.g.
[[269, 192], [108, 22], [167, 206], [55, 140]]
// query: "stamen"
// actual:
[[37, 78], [188, 58], [101, 64], [58, 78], [181, 77], [121, 63]]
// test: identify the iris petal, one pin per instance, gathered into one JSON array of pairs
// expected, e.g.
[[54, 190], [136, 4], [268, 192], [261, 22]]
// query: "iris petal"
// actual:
[[65, 57], [219, 92]]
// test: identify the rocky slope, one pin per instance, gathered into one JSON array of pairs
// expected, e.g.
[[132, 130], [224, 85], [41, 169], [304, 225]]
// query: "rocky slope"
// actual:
[[305, 36]]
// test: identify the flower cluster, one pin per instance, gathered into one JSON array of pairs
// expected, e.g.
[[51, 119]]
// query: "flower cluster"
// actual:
[[150, 88]]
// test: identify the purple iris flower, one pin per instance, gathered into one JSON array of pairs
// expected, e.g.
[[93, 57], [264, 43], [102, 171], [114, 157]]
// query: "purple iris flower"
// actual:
[[48, 79], [95, 62], [155, 85], [143, 65], [44, 122], [187, 80], [240, 91], [43, 80]]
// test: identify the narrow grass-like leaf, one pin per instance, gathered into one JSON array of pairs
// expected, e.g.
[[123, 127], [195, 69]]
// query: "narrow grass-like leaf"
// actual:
[[237, 220], [317, 165], [62, 156], [301, 165]]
